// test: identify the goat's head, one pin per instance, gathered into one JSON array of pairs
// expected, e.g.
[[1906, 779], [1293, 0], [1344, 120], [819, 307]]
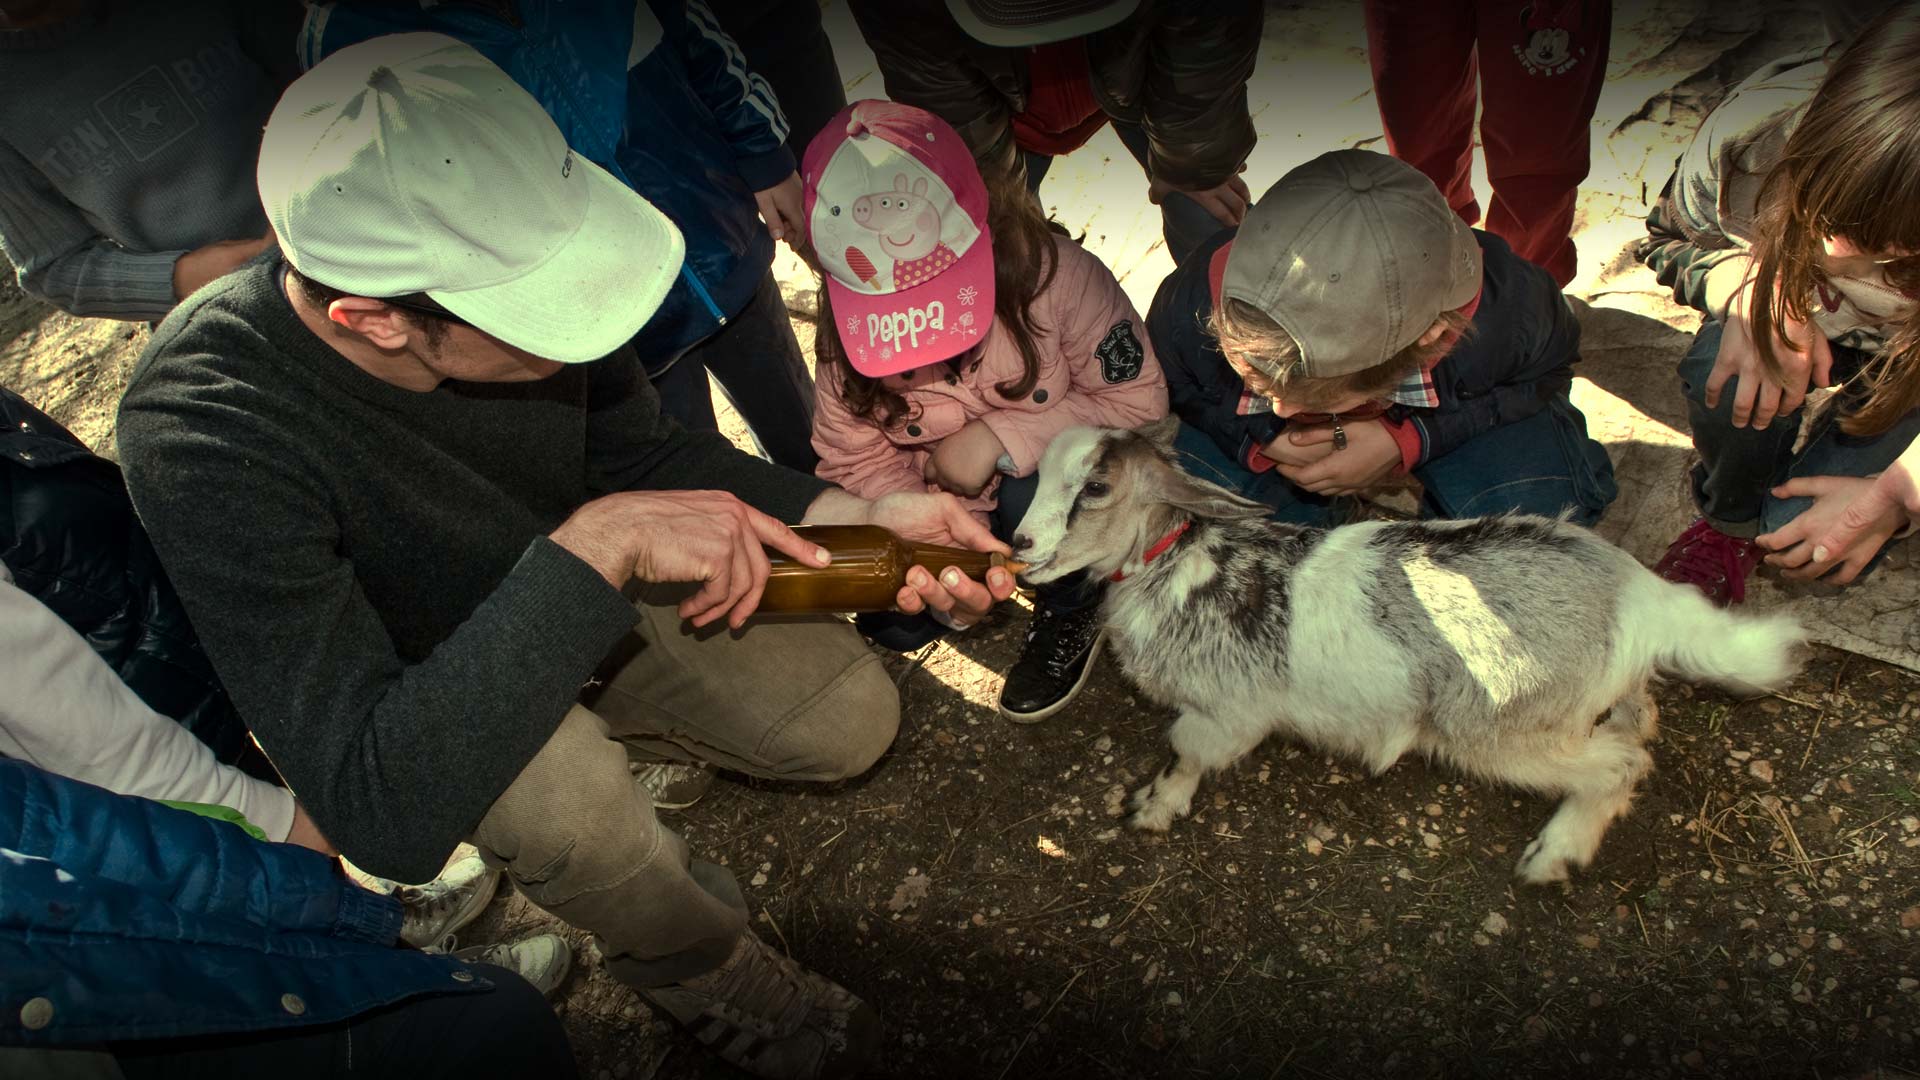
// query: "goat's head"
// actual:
[[1106, 494]]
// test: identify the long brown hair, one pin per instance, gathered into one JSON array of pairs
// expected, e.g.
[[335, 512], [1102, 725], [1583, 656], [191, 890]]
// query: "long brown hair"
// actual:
[[1024, 261], [1851, 169]]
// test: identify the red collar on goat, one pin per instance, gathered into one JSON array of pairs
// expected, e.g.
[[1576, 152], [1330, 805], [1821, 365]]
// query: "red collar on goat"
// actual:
[[1159, 547]]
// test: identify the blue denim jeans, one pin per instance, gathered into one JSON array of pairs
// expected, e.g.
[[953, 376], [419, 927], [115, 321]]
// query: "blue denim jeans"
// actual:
[[1544, 464], [904, 633], [759, 365], [1739, 467], [1185, 223]]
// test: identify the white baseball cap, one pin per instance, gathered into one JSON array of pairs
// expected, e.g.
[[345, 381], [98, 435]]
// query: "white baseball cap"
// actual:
[[412, 164]]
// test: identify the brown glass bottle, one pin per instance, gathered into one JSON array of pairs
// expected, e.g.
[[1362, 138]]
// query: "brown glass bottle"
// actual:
[[869, 566]]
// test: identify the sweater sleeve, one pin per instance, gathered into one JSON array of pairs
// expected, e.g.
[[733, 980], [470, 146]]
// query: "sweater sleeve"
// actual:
[[633, 446], [359, 734], [69, 714], [1115, 380], [1685, 245], [61, 258]]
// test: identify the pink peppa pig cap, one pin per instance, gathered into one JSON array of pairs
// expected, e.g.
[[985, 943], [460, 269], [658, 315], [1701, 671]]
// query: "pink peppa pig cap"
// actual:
[[897, 216]]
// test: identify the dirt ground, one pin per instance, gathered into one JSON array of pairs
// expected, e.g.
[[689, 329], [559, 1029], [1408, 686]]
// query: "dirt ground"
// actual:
[[1756, 914]]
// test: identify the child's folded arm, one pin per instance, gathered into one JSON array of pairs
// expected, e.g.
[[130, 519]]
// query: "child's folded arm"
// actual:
[[856, 454]]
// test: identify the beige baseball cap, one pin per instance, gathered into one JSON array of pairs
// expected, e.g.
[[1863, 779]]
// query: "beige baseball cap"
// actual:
[[1354, 254], [412, 164]]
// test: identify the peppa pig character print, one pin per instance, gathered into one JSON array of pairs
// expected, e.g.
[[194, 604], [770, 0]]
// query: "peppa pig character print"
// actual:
[[909, 228], [897, 213]]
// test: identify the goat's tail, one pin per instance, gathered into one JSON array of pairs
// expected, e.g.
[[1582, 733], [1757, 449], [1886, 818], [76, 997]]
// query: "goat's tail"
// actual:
[[1681, 632]]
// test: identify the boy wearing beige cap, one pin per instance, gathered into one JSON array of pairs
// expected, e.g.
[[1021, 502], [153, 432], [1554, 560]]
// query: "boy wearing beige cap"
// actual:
[[1354, 330]]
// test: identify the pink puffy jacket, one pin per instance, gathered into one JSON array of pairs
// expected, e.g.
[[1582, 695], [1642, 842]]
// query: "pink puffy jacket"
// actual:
[[1096, 368]]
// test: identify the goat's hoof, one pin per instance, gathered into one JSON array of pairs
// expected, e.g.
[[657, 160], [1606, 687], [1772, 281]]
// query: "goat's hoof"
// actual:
[[1156, 819], [1541, 867]]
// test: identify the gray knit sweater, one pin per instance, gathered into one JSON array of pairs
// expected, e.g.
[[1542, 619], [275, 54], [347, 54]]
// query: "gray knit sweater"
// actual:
[[128, 136], [368, 567]]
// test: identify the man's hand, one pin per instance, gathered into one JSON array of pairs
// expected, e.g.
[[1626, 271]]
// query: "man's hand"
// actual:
[[780, 207], [964, 462], [704, 536], [1802, 351], [216, 260], [1227, 201], [306, 834], [1370, 457]]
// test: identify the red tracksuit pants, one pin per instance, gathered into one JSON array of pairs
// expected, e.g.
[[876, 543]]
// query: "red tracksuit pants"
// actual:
[[1536, 66]]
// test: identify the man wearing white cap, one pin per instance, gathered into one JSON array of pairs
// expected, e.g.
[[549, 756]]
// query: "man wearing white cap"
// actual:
[[402, 508]]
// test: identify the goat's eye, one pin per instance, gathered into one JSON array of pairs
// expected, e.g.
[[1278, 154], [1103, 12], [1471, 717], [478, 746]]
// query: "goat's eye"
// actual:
[[1094, 488]]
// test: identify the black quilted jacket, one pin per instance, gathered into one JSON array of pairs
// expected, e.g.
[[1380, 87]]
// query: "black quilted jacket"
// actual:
[[69, 536], [1177, 67]]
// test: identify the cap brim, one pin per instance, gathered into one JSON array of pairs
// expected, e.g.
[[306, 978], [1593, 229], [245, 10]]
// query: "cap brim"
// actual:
[[1087, 19], [881, 334], [596, 292]]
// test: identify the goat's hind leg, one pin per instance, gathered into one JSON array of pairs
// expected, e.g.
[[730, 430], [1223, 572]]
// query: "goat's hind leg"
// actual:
[[1598, 776], [1201, 744]]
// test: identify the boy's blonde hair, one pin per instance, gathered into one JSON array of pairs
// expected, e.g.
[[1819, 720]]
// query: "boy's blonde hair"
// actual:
[[1272, 358]]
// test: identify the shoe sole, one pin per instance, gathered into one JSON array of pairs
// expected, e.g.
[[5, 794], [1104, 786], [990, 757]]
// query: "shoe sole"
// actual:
[[678, 804], [1093, 657]]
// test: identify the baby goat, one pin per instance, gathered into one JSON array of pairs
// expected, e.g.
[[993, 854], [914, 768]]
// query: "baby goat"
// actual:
[[1490, 643]]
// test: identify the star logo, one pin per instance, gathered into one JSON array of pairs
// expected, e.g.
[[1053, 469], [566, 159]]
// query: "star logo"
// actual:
[[148, 114]]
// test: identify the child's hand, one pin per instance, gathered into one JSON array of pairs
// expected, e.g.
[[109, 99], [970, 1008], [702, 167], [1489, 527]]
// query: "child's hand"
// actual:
[[1299, 446], [1801, 349], [1863, 523], [964, 461], [1845, 527], [1370, 457], [780, 209]]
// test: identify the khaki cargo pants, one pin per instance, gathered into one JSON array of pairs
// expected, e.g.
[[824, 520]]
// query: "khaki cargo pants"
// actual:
[[790, 700]]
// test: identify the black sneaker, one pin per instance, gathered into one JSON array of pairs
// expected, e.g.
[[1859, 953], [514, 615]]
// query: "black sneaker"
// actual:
[[1054, 664]]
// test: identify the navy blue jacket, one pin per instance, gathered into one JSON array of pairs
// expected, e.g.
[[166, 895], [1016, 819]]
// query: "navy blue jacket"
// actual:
[[69, 536], [655, 93], [1518, 356], [121, 918]]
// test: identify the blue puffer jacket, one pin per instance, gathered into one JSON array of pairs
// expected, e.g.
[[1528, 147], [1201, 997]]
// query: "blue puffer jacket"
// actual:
[[121, 918], [657, 94]]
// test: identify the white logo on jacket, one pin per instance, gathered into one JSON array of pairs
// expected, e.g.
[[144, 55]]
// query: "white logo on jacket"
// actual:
[[902, 328]]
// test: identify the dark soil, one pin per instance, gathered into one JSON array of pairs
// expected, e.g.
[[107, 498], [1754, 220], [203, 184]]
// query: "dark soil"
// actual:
[[1756, 914]]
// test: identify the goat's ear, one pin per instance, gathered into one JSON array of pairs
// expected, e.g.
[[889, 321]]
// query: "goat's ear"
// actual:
[[1160, 432], [1206, 500]]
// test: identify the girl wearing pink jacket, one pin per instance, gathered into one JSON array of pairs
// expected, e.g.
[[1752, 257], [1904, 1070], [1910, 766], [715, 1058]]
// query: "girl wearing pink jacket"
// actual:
[[958, 335]]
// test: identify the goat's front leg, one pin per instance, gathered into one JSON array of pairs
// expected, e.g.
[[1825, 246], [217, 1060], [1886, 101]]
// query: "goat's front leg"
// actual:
[[1201, 744]]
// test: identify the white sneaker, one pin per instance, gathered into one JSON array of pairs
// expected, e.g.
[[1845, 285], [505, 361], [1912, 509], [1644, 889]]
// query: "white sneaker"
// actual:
[[448, 902], [543, 959]]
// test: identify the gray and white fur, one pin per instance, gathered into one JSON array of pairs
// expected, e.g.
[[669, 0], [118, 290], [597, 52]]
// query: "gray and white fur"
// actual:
[[1492, 644]]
